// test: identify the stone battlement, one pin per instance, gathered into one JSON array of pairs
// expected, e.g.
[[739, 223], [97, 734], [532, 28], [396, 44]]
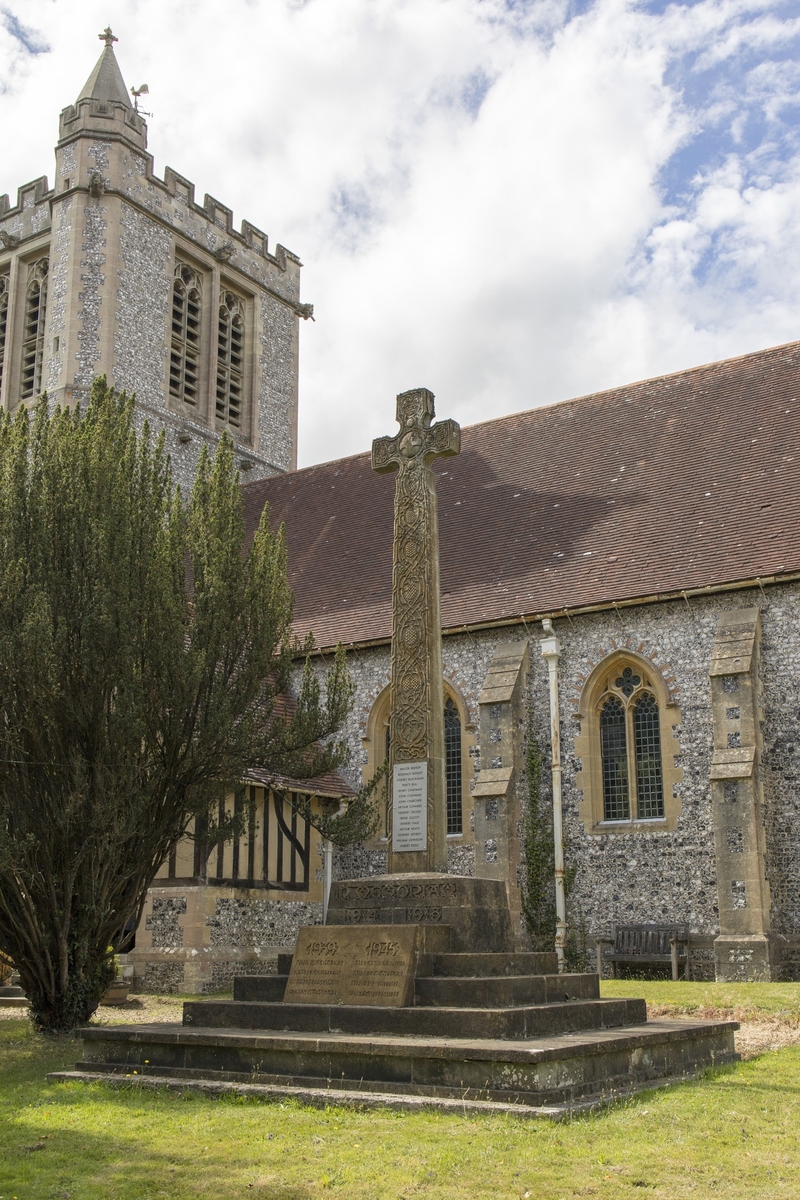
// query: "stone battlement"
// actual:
[[171, 200]]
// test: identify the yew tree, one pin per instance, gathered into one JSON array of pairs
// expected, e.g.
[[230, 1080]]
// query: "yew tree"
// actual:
[[143, 649]]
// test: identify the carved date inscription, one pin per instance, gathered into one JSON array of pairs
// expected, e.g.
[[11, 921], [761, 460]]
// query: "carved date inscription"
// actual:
[[390, 894], [372, 965]]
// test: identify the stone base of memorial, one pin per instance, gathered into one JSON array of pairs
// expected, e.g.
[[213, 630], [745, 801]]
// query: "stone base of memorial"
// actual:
[[475, 911], [412, 997]]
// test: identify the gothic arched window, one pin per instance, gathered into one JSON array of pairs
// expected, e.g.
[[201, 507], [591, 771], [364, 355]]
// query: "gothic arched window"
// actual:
[[647, 748], [630, 749], [230, 360], [452, 766], [184, 361], [453, 748], [33, 329], [3, 321], [613, 741]]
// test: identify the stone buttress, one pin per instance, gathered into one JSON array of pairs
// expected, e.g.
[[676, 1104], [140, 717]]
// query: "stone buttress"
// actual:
[[742, 949]]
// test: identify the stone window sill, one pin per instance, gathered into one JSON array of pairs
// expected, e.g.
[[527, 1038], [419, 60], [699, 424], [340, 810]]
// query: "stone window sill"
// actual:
[[645, 824]]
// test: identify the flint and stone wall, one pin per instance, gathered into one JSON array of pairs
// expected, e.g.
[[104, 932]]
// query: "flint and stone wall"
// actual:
[[195, 939], [641, 876]]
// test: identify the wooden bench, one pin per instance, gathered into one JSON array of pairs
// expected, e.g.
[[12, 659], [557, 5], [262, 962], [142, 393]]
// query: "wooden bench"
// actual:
[[646, 944]]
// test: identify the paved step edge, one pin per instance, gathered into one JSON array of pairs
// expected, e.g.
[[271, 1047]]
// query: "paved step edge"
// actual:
[[488, 964], [543, 1097], [530, 1050], [464, 991], [325, 1098]]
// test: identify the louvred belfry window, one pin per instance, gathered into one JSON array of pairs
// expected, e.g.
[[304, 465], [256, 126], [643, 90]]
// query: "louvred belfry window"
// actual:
[[33, 329], [3, 321], [230, 360], [184, 363], [630, 748]]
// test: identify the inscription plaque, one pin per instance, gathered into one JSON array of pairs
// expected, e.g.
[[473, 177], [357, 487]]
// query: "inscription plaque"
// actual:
[[352, 964], [409, 807]]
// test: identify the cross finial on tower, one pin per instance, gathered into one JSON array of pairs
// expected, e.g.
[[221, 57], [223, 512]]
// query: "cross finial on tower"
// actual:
[[107, 36]]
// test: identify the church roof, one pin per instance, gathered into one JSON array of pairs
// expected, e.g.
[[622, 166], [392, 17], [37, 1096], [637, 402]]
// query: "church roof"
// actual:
[[105, 82], [684, 482]]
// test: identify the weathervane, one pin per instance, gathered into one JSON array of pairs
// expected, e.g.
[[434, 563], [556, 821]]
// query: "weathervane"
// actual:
[[144, 90]]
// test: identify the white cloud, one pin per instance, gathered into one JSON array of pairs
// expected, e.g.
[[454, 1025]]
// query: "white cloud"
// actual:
[[503, 202]]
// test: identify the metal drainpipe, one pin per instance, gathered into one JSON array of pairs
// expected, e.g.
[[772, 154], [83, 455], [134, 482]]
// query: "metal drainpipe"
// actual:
[[327, 854], [551, 652], [327, 867]]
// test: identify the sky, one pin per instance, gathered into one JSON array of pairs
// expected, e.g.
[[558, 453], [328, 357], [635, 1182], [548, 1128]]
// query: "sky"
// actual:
[[510, 202]]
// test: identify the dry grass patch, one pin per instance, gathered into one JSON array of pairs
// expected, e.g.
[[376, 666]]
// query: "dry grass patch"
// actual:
[[769, 1013]]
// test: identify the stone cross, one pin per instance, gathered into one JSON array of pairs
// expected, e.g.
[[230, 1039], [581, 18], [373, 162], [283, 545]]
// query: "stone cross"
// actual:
[[107, 36], [416, 723]]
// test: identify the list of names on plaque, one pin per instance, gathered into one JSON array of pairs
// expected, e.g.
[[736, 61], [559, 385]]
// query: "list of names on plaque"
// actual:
[[348, 964], [317, 968], [409, 807]]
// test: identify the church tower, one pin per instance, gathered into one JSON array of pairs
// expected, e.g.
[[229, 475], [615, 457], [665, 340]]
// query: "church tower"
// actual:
[[114, 271]]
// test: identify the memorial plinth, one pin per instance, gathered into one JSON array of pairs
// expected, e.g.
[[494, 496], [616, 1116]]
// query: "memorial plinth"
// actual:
[[475, 911]]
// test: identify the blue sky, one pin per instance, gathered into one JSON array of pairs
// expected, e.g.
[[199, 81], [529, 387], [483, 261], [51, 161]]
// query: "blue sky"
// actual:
[[509, 202]]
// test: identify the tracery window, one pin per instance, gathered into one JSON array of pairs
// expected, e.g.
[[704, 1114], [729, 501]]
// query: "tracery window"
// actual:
[[184, 364], [452, 766], [630, 748], [452, 763], [3, 321], [33, 329], [230, 360]]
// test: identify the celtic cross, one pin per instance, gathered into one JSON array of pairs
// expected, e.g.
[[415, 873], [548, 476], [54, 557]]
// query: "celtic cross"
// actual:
[[416, 722]]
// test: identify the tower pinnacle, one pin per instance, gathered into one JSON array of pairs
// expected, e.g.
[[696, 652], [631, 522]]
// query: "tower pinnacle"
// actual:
[[105, 82]]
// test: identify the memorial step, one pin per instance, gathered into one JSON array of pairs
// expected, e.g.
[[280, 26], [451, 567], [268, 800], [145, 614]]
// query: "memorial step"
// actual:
[[504, 991], [523, 1021], [481, 965], [556, 1071], [260, 987], [450, 991], [463, 965], [326, 1096]]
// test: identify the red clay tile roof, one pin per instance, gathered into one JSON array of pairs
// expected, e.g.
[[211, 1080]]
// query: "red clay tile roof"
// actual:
[[686, 481], [331, 786]]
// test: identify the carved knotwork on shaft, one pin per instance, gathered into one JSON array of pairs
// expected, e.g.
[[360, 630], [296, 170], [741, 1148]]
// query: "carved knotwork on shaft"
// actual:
[[417, 700]]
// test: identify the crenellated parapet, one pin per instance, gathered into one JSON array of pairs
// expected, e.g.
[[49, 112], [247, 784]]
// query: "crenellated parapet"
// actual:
[[29, 217]]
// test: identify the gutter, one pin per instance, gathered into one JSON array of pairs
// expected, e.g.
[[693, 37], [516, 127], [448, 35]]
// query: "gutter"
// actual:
[[759, 581]]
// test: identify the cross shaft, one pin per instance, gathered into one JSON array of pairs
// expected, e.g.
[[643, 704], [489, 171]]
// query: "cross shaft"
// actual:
[[416, 722]]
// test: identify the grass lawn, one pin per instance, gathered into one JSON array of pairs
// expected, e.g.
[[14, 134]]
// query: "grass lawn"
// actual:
[[736, 1133]]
